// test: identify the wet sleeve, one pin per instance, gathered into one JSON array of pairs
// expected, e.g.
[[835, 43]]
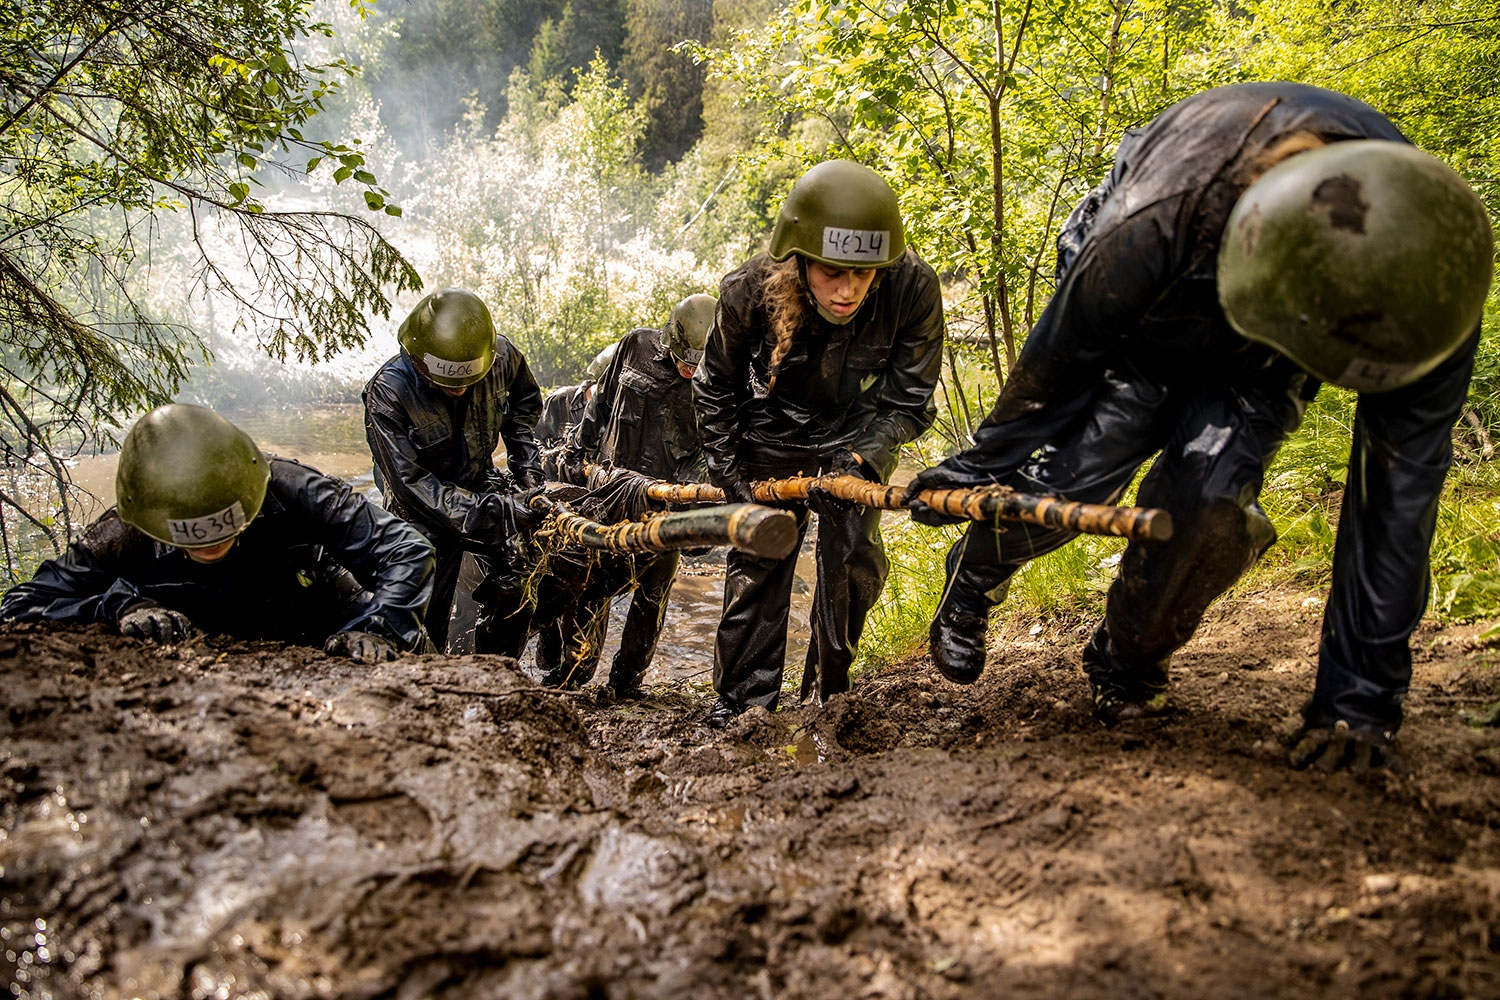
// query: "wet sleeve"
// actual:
[[87, 583], [446, 510], [523, 408], [721, 390], [1116, 279], [1400, 456], [389, 557], [904, 403]]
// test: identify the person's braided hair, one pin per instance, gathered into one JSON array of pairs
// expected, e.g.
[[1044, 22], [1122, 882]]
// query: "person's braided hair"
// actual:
[[783, 295]]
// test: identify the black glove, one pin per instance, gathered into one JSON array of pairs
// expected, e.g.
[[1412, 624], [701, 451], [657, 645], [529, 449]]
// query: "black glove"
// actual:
[[739, 491], [935, 478], [529, 478], [527, 517], [845, 463], [156, 623], [1343, 747], [570, 467], [361, 647]]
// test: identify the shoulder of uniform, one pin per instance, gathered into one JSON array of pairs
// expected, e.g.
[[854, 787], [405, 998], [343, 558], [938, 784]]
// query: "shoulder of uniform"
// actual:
[[646, 338], [110, 539], [741, 282], [396, 372]]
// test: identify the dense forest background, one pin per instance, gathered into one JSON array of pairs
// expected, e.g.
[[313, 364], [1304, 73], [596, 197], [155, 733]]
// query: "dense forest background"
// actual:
[[584, 164]]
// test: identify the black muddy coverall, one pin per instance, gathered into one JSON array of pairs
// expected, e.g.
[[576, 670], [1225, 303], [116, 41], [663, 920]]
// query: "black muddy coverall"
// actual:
[[434, 462], [640, 418], [865, 386], [563, 409], [1133, 357], [317, 560]]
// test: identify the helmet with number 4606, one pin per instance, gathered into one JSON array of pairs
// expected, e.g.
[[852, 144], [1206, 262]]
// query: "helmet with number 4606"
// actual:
[[188, 477], [450, 336], [842, 214]]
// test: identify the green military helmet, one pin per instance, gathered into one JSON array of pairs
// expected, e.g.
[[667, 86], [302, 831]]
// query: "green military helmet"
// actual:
[[450, 337], [842, 214], [188, 477], [597, 367], [687, 329], [1366, 262]]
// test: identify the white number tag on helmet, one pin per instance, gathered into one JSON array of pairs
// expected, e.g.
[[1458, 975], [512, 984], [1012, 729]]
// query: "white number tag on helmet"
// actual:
[[195, 532], [452, 369], [856, 244]]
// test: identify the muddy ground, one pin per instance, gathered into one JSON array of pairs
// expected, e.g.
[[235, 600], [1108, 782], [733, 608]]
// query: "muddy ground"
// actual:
[[228, 820]]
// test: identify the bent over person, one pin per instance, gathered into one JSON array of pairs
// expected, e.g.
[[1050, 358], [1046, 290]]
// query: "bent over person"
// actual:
[[208, 533], [823, 359], [434, 415], [641, 418], [1251, 243]]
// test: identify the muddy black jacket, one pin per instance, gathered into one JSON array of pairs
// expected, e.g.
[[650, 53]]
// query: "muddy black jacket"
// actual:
[[310, 536], [866, 385], [641, 415], [1138, 297], [434, 455], [562, 410]]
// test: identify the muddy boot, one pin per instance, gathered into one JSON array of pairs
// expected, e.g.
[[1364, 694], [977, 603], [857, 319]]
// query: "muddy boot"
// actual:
[[957, 638], [723, 713], [1122, 694], [624, 683]]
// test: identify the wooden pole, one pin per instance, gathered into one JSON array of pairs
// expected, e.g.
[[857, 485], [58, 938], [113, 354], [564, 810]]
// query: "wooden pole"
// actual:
[[978, 503], [760, 531]]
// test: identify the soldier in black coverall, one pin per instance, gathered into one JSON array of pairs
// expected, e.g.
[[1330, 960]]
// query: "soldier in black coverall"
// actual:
[[1183, 331], [562, 643], [209, 534], [823, 358], [434, 415], [563, 408], [641, 418]]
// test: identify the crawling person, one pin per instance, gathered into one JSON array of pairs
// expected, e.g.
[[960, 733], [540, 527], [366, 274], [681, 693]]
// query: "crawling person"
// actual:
[[210, 534], [1250, 244]]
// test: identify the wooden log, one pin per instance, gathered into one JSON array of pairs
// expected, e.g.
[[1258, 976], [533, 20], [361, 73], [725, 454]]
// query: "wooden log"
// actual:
[[978, 503], [760, 531]]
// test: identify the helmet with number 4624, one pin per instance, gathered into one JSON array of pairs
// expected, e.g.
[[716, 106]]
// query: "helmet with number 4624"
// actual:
[[842, 214], [188, 477], [450, 336]]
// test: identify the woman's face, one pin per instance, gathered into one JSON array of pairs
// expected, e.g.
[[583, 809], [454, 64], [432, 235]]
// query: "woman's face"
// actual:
[[840, 290]]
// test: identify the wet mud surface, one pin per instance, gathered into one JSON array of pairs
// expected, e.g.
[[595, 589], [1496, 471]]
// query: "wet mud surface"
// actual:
[[229, 820]]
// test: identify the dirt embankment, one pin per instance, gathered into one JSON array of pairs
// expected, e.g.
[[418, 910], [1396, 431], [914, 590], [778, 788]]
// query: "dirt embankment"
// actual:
[[228, 820]]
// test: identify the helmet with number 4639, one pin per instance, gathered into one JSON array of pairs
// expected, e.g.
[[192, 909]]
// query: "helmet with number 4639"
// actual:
[[188, 477], [842, 214], [450, 337]]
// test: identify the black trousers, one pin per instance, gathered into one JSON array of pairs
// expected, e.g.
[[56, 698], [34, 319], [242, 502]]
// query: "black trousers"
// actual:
[[502, 611], [1214, 445], [750, 647]]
